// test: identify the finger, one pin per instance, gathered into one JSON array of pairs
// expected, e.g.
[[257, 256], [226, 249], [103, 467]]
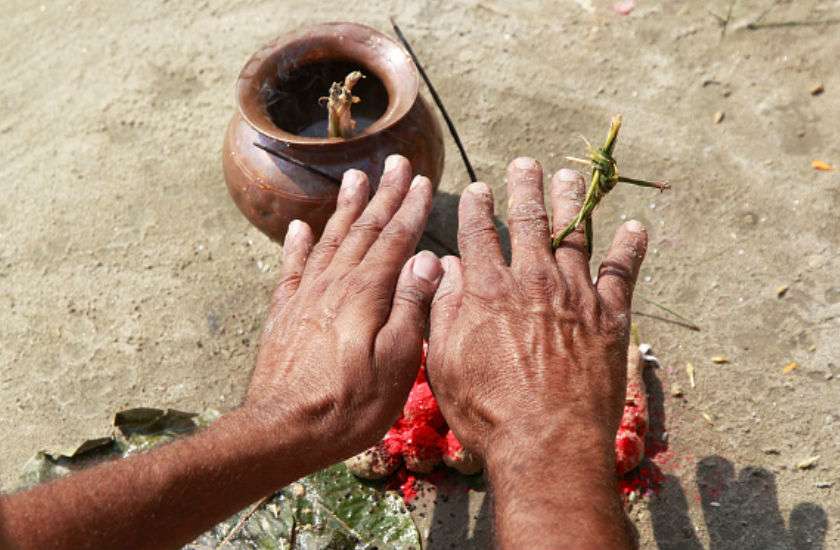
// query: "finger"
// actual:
[[715, 477], [478, 240], [618, 272], [527, 218], [808, 525], [447, 301], [399, 343], [399, 238], [568, 190], [670, 519], [352, 199], [389, 196], [296, 249]]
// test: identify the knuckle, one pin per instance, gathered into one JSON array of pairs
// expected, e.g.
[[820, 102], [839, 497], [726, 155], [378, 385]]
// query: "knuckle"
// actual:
[[615, 323], [536, 281], [574, 243], [329, 243], [529, 212], [370, 225], [444, 296], [617, 269], [477, 231], [287, 284], [320, 284], [358, 283], [397, 230], [411, 295]]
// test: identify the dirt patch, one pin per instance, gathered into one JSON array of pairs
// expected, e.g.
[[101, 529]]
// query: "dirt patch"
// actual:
[[128, 277]]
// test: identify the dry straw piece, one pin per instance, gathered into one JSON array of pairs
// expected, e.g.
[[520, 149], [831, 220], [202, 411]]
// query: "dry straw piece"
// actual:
[[604, 178]]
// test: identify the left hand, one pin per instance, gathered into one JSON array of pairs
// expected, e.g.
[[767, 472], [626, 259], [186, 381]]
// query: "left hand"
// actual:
[[343, 339]]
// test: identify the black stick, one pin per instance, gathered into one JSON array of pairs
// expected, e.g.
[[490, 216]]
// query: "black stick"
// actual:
[[438, 101], [337, 181], [689, 326], [298, 163]]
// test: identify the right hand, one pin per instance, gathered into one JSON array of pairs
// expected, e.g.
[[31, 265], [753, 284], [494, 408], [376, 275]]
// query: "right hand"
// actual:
[[344, 334], [532, 356]]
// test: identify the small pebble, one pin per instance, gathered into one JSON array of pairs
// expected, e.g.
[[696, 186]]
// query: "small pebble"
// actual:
[[824, 484], [719, 116], [808, 463], [817, 89], [676, 390]]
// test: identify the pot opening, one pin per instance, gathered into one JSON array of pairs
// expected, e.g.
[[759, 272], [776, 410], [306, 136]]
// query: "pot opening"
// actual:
[[292, 100]]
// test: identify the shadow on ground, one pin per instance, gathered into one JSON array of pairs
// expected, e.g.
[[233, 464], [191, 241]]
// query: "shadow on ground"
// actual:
[[451, 521], [741, 513], [441, 235]]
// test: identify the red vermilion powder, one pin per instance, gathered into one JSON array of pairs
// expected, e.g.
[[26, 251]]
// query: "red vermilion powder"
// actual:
[[421, 436], [452, 444]]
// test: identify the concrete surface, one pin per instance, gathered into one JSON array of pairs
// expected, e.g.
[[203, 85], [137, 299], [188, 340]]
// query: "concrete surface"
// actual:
[[127, 276]]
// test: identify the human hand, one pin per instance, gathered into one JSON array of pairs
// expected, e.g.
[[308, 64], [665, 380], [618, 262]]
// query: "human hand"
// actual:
[[534, 347], [528, 361], [343, 337]]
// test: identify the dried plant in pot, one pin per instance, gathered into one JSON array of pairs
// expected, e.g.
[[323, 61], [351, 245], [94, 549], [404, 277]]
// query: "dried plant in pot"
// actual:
[[280, 108]]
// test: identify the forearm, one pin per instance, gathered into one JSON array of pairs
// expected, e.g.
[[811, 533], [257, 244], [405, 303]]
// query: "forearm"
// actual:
[[557, 491], [159, 499]]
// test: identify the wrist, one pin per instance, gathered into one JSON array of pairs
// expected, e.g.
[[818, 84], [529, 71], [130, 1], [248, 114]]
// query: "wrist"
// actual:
[[552, 473], [573, 444], [275, 446]]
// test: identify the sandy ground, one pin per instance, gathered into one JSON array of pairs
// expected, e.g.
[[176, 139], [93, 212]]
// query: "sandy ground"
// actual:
[[128, 277]]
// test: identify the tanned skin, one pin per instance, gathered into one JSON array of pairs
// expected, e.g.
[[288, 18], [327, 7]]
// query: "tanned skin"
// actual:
[[527, 362], [337, 359]]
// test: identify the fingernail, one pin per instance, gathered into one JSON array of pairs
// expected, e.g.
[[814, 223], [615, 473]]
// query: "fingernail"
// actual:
[[391, 162], [525, 163], [478, 188], [294, 229], [351, 181], [417, 181], [566, 174], [635, 226], [427, 267]]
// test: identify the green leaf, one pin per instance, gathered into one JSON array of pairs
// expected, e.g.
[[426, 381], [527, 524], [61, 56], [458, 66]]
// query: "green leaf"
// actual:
[[331, 509], [145, 421], [328, 510], [373, 517]]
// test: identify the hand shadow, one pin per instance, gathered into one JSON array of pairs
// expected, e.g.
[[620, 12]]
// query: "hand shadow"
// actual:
[[741, 513], [450, 523], [441, 235]]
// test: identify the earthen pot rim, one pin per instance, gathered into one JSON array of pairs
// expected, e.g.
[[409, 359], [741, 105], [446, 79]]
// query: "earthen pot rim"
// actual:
[[375, 51]]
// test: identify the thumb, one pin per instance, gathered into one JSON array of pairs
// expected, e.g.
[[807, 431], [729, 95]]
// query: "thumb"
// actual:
[[400, 342]]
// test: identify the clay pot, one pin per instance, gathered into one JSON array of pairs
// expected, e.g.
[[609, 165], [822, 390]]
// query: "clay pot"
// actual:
[[277, 94]]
